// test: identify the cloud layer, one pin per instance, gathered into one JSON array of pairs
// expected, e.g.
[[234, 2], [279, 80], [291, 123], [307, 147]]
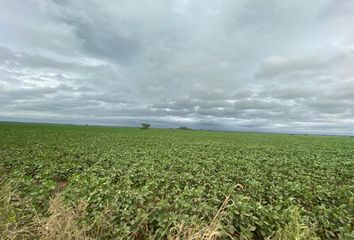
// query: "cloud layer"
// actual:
[[256, 65]]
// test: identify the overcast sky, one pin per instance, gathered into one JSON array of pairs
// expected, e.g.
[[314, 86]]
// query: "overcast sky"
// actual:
[[260, 65]]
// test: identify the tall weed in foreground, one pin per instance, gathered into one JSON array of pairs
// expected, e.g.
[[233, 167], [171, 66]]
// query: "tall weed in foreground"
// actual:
[[295, 230]]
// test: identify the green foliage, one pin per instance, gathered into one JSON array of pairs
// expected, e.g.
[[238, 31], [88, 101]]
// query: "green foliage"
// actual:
[[152, 181], [13, 223], [295, 230], [145, 125]]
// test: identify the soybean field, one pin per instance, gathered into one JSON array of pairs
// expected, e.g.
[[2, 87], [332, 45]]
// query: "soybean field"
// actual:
[[130, 183]]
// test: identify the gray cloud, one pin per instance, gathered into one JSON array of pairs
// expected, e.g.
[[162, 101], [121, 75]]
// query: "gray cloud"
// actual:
[[230, 65]]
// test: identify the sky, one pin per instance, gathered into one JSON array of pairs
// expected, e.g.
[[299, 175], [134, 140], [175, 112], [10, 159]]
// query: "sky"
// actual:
[[246, 65]]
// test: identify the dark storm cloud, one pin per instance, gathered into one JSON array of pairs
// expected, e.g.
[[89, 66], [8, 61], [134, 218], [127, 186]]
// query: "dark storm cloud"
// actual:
[[249, 65]]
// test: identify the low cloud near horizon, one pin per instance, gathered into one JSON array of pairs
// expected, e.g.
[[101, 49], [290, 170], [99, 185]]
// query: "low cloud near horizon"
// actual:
[[255, 65]]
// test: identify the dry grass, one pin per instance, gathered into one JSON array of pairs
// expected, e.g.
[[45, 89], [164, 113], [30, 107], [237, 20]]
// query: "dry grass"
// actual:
[[63, 222]]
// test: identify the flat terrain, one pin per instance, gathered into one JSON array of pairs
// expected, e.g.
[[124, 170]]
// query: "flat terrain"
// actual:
[[148, 182]]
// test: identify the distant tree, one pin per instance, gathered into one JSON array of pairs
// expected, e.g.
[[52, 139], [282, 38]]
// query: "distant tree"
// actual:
[[145, 126], [184, 128]]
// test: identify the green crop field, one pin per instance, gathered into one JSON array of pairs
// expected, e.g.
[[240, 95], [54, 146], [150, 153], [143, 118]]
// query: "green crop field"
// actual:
[[122, 183]]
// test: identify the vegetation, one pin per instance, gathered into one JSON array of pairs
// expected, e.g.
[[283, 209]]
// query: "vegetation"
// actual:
[[145, 125], [185, 128], [85, 182]]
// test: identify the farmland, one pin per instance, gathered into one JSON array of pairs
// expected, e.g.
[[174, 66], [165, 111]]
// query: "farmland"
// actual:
[[153, 183]]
